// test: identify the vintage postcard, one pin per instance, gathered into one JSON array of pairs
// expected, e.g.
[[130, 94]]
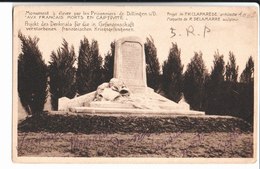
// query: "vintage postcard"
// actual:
[[129, 83]]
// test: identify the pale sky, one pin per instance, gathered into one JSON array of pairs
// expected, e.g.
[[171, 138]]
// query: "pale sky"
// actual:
[[239, 36]]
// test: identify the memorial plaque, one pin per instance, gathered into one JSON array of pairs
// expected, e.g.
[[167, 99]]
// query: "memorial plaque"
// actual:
[[130, 62]]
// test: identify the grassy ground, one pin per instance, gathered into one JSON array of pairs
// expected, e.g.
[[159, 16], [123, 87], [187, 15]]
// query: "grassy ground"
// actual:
[[97, 136], [215, 144]]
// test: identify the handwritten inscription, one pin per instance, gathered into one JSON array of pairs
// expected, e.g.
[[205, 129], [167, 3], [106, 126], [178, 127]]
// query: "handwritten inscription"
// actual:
[[206, 18], [190, 31]]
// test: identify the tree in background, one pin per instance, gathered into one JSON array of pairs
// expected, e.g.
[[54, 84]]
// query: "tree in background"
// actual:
[[89, 73], [32, 76], [215, 87], [231, 69], [231, 89], [83, 67], [247, 76], [152, 64], [96, 65], [194, 82], [62, 74], [108, 67], [247, 92], [217, 73], [172, 74]]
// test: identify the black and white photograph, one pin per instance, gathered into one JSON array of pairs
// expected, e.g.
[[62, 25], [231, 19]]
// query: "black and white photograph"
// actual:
[[153, 83]]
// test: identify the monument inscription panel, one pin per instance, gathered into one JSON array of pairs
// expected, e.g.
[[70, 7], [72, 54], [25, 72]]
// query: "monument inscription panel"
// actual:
[[129, 64], [132, 61]]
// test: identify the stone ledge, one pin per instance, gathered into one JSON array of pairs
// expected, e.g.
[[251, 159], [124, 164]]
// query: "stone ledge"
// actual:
[[132, 112]]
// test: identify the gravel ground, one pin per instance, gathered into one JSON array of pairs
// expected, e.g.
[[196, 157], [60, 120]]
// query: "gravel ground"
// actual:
[[167, 144]]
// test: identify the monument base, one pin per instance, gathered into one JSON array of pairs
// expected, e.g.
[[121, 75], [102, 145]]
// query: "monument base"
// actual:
[[109, 100], [146, 103], [133, 112]]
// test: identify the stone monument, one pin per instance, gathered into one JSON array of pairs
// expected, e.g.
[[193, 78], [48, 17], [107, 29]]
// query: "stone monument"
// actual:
[[129, 65], [127, 93]]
